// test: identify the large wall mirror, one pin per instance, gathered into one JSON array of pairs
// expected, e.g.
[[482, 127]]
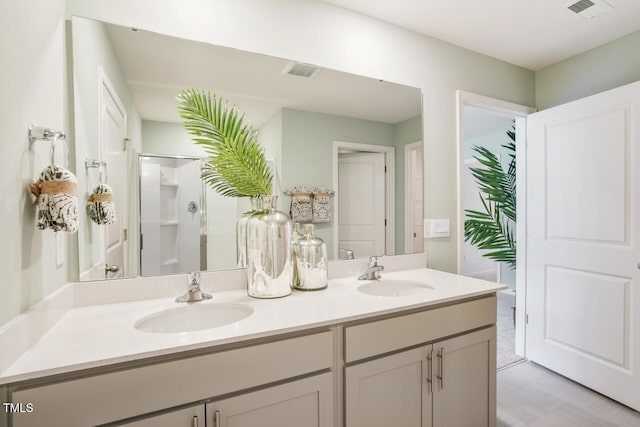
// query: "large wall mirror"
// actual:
[[357, 136]]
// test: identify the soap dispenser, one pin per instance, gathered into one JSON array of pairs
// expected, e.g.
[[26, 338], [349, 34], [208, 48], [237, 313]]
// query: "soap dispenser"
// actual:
[[311, 260]]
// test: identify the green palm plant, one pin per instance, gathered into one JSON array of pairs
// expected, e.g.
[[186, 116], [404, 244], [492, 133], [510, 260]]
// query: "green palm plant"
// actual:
[[237, 165], [492, 229]]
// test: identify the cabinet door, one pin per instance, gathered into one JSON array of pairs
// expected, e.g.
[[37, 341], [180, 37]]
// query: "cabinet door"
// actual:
[[193, 416], [465, 380], [389, 391], [303, 403]]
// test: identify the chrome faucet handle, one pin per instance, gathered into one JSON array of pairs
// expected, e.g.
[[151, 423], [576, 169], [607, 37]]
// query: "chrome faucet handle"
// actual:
[[373, 260], [347, 254], [194, 293], [194, 279]]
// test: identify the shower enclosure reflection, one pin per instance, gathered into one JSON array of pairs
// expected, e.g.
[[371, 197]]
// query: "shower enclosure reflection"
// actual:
[[173, 235]]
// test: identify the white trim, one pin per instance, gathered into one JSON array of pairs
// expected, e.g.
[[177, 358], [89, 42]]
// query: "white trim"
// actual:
[[520, 112], [521, 234], [390, 194], [409, 220]]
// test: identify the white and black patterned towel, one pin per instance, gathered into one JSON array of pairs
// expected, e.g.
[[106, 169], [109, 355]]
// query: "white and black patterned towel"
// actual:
[[100, 205], [56, 199], [321, 204], [300, 210]]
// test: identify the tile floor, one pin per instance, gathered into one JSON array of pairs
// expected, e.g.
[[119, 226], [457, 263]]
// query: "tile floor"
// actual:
[[530, 395]]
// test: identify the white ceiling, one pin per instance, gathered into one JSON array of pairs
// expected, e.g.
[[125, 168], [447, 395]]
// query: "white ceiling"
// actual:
[[529, 33], [157, 67]]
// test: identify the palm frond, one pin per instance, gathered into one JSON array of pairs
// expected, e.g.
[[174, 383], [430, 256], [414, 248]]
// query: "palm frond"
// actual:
[[237, 165], [492, 229]]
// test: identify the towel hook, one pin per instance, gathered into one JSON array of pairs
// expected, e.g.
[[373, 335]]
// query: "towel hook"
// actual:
[[45, 134]]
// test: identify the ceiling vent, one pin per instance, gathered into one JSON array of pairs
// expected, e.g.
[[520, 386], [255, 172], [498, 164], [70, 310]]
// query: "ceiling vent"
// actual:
[[299, 69], [589, 9]]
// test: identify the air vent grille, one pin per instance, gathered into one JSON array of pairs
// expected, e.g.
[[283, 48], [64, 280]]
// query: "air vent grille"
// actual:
[[299, 69], [580, 6]]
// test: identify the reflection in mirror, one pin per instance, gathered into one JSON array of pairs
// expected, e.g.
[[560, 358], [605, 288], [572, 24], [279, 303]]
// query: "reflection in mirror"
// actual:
[[354, 135], [172, 215]]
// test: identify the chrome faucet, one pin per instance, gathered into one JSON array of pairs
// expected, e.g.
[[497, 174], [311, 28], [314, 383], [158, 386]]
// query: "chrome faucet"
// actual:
[[373, 270], [346, 254], [194, 293]]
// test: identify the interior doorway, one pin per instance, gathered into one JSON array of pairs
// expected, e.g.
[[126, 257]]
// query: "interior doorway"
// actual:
[[363, 175], [491, 126]]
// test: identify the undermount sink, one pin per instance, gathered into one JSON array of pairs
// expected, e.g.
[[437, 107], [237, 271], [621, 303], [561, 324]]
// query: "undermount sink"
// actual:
[[394, 288], [193, 318]]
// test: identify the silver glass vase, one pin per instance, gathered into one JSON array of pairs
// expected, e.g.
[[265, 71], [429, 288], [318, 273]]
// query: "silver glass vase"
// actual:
[[241, 231], [269, 266], [311, 262]]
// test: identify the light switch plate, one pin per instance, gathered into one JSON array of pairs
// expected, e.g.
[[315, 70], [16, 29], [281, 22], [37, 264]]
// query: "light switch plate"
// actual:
[[436, 228], [59, 249]]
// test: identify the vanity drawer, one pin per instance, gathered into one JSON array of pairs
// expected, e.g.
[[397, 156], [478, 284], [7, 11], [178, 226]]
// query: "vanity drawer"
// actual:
[[383, 336], [117, 395]]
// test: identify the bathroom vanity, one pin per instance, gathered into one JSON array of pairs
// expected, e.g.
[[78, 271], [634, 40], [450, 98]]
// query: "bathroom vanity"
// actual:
[[349, 355]]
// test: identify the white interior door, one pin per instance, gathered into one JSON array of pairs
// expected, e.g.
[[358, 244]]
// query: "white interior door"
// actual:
[[583, 241], [414, 193], [113, 128], [361, 203]]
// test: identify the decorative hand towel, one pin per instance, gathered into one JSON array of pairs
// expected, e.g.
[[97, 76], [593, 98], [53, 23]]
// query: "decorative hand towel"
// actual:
[[321, 204], [300, 210], [100, 205], [56, 199]]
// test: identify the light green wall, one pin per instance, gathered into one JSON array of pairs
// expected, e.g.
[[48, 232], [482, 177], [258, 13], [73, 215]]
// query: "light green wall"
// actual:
[[92, 51], [307, 150], [34, 88], [606, 67], [169, 139], [406, 132]]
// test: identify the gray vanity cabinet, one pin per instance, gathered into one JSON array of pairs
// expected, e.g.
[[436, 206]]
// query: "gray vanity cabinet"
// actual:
[[448, 383], [442, 383], [388, 391], [302, 403], [193, 416], [464, 380]]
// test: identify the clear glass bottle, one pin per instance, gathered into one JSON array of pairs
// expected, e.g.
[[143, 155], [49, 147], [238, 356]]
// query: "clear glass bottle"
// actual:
[[311, 261], [269, 266]]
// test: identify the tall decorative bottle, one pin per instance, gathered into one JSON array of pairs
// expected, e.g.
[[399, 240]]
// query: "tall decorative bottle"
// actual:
[[241, 231], [269, 266]]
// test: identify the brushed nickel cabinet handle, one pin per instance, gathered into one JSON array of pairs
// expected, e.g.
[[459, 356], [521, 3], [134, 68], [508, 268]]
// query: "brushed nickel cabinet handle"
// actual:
[[440, 377], [194, 421], [216, 419], [430, 370]]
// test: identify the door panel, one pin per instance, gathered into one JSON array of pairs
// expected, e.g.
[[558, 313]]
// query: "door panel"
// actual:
[[389, 391], [192, 416], [465, 378], [361, 207], [114, 131], [582, 242], [302, 403]]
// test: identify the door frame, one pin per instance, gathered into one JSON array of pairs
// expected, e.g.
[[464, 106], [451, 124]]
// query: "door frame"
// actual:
[[389, 208], [408, 189], [520, 112]]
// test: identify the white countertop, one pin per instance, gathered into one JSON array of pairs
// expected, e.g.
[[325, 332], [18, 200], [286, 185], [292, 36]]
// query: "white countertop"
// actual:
[[101, 335]]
